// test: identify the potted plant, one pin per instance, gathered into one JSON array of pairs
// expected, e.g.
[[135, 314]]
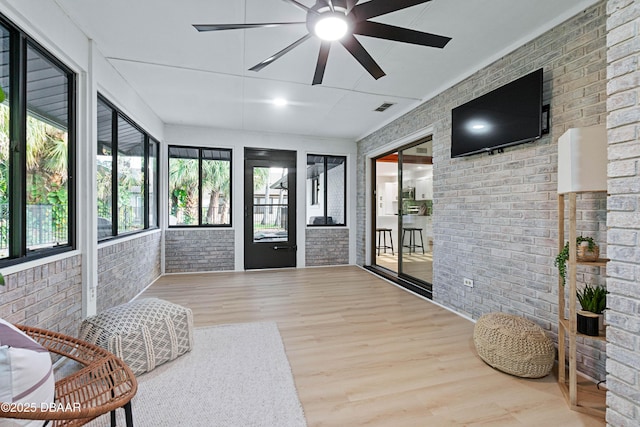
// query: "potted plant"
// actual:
[[587, 250], [593, 300]]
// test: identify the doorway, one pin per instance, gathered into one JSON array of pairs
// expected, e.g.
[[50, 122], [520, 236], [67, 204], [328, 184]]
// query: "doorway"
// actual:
[[402, 232], [269, 209]]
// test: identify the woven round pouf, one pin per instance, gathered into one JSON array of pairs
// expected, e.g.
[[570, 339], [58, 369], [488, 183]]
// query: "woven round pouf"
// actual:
[[514, 345]]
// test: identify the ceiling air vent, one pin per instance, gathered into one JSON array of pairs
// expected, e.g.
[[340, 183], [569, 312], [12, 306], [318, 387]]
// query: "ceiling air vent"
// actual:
[[384, 106]]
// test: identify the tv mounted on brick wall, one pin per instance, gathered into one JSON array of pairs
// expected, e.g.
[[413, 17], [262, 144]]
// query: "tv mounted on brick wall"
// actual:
[[509, 115]]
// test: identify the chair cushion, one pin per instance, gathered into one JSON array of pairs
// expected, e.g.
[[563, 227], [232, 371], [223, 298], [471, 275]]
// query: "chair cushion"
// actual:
[[26, 373]]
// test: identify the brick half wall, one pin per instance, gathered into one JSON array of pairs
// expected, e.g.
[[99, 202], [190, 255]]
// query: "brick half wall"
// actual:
[[126, 267], [326, 246], [199, 250], [47, 296]]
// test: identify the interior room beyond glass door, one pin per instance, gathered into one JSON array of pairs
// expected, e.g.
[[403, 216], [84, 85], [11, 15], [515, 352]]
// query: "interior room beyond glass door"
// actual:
[[386, 212], [403, 232], [416, 225]]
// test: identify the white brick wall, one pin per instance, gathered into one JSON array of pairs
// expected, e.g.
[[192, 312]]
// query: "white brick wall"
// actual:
[[126, 267], [48, 296], [623, 219], [326, 246], [199, 250], [495, 217]]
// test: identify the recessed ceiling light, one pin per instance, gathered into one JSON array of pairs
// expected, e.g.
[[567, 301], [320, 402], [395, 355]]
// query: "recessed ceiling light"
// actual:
[[280, 102]]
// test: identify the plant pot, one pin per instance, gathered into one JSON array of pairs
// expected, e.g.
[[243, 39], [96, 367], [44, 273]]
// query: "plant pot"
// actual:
[[588, 323], [585, 255]]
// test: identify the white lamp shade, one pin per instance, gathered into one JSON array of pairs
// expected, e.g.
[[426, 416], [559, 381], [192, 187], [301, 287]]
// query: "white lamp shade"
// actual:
[[582, 160]]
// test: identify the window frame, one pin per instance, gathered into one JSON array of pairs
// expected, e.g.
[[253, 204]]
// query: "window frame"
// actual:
[[117, 114], [19, 45], [200, 175], [323, 196]]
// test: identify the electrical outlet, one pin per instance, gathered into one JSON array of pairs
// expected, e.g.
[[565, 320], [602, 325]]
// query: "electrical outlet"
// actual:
[[468, 282]]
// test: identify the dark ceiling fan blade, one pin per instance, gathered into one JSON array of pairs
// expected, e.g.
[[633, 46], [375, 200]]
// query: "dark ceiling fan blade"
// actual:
[[390, 32], [351, 4], [322, 62], [222, 27], [302, 6], [362, 56], [375, 8], [272, 58]]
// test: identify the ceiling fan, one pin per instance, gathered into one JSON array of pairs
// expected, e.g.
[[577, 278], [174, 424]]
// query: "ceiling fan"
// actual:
[[339, 20]]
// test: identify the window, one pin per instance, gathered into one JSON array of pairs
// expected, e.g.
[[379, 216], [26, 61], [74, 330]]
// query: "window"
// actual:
[[326, 190], [199, 186], [127, 175], [130, 177], [36, 150], [152, 191]]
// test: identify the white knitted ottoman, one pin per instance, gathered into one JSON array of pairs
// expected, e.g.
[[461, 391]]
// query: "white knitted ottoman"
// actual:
[[144, 333]]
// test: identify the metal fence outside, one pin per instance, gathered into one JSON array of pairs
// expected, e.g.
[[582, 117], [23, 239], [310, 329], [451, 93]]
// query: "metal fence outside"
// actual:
[[42, 230]]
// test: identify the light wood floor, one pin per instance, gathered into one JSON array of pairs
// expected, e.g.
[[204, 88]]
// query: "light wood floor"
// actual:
[[366, 353], [417, 265]]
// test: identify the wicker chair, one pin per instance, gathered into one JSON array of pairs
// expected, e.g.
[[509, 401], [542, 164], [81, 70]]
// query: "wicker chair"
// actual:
[[103, 384]]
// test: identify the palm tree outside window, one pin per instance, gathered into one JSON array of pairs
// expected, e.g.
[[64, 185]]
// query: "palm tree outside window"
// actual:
[[127, 175], [199, 186], [37, 142]]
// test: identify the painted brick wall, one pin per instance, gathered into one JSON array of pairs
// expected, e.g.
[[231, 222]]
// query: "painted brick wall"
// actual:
[[326, 246], [48, 296], [199, 250], [495, 217], [126, 267], [623, 219]]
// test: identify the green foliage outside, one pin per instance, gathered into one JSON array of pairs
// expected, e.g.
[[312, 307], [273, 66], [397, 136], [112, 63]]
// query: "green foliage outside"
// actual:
[[46, 181], [184, 183]]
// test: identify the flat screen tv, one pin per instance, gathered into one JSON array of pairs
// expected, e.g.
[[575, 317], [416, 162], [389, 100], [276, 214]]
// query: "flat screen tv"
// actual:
[[509, 115]]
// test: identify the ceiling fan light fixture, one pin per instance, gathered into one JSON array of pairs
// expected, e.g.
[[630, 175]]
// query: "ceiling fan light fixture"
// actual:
[[342, 20], [280, 102], [331, 26]]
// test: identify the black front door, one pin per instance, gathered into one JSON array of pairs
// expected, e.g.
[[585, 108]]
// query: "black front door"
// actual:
[[269, 209]]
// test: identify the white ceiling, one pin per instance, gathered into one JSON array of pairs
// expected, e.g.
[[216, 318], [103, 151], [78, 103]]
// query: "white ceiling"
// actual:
[[202, 79]]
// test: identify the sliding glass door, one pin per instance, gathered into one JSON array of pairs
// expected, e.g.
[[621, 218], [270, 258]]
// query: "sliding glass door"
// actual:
[[416, 224], [402, 218]]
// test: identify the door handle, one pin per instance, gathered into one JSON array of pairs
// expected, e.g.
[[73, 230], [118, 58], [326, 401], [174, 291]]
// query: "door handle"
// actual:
[[289, 248]]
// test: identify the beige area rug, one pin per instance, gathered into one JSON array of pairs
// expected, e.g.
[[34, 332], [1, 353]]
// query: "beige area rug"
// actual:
[[237, 375]]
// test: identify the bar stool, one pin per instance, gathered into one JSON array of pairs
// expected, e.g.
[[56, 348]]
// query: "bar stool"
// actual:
[[412, 239], [382, 232]]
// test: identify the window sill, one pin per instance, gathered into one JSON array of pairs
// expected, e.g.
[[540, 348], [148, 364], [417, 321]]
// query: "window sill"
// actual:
[[26, 263], [126, 237]]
